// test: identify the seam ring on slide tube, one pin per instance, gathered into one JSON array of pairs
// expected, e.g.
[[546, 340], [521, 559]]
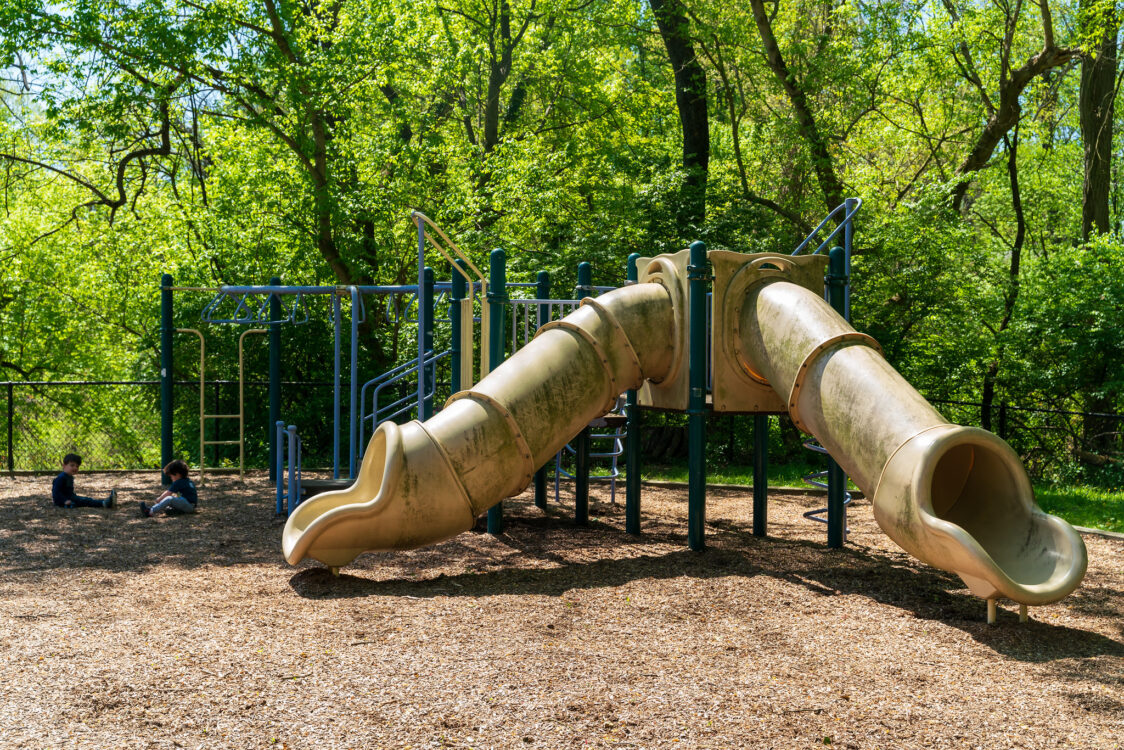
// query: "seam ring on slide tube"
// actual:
[[852, 338]]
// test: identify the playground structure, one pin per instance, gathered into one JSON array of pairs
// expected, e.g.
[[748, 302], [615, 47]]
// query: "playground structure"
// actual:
[[954, 497]]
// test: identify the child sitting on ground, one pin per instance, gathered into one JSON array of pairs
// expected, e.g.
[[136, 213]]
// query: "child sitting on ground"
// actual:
[[62, 489], [180, 497]]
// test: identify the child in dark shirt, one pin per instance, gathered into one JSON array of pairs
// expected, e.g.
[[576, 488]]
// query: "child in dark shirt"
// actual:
[[62, 489], [180, 497]]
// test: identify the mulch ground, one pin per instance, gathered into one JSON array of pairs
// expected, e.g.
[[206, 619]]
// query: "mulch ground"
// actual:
[[192, 632]]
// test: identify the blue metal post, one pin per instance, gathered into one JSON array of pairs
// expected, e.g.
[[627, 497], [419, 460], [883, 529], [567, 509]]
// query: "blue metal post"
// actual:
[[542, 291], [459, 292], [353, 424], [274, 372], [278, 471], [427, 375], [581, 478], [336, 322], [294, 490], [836, 479], [760, 474], [632, 444], [697, 276], [497, 301], [167, 381]]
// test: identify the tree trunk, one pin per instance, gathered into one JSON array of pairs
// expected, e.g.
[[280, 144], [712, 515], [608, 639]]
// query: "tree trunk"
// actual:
[[822, 161], [690, 98], [1096, 105]]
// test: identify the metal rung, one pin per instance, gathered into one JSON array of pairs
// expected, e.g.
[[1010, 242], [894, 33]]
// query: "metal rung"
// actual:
[[222, 442], [222, 416]]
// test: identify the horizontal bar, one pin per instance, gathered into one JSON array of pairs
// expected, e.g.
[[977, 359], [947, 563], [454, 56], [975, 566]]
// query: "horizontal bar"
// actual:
[[222, 416], [222, 442]]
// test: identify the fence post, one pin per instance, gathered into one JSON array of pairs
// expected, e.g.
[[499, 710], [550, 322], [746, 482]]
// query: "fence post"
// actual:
[[632, 446], [274, 376], [697, 276], [497, 298], [542, 291], [11, 443], [166, 374]]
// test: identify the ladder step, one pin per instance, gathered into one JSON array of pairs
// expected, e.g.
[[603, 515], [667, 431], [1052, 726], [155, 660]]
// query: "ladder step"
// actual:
[[222, 442], [222, 416]]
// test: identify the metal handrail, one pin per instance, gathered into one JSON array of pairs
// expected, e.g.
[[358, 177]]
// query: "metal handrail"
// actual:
[[858, 202]]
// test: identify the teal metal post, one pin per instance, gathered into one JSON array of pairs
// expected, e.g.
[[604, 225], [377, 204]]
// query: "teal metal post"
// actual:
[[585, 280], [497, 299], [167, 380], [836, 479], [632, 442], [459, 292], [428, 374], [697, 277], [542, 291], [581, 478], [274, 377], [760, 474]]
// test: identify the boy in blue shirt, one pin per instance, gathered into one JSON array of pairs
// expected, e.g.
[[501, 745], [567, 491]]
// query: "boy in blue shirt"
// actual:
[[62, 489], [180, 497]]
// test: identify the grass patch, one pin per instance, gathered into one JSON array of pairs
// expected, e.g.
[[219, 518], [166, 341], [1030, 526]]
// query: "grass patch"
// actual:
[[1081, 506], [1084, 506]]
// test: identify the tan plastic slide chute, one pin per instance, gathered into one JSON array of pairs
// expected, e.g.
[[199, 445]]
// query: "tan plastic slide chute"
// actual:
[[954, 497]]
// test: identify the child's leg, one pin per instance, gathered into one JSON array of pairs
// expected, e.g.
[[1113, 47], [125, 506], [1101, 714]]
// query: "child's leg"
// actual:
[[172, 501], [85, 502]]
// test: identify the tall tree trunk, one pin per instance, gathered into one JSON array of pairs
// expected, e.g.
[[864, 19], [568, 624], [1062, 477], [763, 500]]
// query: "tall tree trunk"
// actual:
[[1096, 106], [690, 98], [991, 374], [822, 161]]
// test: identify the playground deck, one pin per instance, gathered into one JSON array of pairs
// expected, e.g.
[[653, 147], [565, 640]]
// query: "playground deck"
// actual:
[[191, 632]]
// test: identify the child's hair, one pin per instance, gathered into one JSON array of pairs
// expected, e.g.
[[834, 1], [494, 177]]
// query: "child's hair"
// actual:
[[177, 467], [72, 458]]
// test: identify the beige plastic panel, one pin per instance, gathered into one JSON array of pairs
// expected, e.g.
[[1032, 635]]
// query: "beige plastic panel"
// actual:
[[672, 390], [736, 387], [422, 483], [954, 497]]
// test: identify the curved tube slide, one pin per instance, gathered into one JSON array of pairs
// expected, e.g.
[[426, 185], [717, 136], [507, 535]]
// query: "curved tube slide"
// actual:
[[954, 497], [422, 483]]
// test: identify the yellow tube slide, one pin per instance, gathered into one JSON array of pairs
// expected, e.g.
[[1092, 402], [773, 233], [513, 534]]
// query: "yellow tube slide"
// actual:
[[954, 497], [422, 483]]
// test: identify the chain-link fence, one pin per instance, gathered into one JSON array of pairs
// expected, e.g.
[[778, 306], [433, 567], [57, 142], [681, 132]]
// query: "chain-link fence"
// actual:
[[111, 424]]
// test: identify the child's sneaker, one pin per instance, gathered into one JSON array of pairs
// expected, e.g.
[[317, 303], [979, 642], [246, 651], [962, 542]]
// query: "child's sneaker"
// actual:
[[112, 501], [144, 510]]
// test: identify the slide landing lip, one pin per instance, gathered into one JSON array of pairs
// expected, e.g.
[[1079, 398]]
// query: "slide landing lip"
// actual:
[[359, 502]]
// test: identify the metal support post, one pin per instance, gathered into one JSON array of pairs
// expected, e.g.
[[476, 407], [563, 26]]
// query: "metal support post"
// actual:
[[11, 419], [632, 442], [760, 474], [581, 478], [459, 292], [427, 375], [336, 322], [697, 277], [497, 301], [274, 375], [585, 280], [276, 469], [293, 486], [166, 375], [542, 291], [836, 479]]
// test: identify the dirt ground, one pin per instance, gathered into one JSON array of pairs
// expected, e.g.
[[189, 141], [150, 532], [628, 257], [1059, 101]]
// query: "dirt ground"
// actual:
[[192, 632]]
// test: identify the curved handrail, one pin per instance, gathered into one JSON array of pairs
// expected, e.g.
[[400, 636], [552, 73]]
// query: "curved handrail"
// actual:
[[858, 202]]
